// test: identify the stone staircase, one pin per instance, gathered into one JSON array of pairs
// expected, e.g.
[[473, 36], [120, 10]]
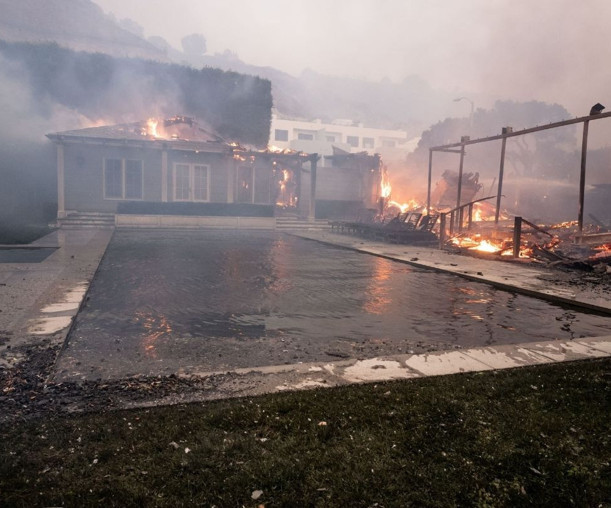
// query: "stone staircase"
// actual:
[[87, 220], [292, 223]]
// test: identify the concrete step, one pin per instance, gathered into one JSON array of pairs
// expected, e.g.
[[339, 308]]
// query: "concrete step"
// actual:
[[87, 226], [301, 224], [87, 220]]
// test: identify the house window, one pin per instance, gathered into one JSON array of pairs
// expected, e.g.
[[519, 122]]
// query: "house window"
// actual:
[[305, 136], [352, 141], [191, 182], [122, 179], [368, 142], [330, 139], [281, 135], [389, 143]]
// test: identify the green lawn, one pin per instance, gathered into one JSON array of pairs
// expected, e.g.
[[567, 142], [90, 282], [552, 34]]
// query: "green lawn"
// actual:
[[525, 437]]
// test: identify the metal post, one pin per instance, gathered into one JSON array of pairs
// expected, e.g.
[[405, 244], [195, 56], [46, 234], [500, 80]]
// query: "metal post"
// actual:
[[442, 230], [428, 193], [463, 139], [461, 218], [452, 216], [517, 236], [582, 176], [506, 130]]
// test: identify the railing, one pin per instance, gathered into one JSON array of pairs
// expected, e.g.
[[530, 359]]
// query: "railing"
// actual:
[[517, 233], [457, 219]]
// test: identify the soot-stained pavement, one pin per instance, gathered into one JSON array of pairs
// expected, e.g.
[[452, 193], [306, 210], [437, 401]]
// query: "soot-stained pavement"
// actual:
[[166, 302]]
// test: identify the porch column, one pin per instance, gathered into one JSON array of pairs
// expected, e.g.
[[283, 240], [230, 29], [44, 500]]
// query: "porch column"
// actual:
[[231, 175], [312, 210], [61, 200], [164, 176]]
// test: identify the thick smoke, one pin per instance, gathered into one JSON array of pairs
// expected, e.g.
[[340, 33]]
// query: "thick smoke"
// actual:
[[45, 88]]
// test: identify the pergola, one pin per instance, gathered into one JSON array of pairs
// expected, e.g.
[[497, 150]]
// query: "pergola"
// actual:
[[507, 132]]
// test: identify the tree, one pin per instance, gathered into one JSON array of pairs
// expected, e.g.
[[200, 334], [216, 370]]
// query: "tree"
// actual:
[[194, 45], [541, 154]]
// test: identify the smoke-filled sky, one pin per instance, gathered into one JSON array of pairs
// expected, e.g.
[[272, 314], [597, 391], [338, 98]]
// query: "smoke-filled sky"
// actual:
[[549, 50]]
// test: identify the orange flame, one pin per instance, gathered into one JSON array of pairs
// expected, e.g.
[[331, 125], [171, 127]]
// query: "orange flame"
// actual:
[[386, 188], [151, 127]]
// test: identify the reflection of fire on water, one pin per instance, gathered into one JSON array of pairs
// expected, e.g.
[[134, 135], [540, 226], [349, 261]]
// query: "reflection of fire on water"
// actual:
[[377, 292], [155, 326]]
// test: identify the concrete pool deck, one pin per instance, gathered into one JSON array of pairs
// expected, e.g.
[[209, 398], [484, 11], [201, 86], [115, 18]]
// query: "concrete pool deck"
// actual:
[[39, 301]]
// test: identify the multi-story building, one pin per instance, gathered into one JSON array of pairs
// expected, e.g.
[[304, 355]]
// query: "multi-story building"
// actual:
[[326, 138]]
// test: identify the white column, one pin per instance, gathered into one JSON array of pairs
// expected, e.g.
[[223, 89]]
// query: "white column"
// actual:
[[231, 176], [164, 176], [61, 200]]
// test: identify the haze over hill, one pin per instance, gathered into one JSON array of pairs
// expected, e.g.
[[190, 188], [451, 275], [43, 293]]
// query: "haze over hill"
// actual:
[[549, 63], [411, 104], [77, 24]]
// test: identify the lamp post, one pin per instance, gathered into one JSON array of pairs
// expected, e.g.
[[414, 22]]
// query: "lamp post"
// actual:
[[472, 108]]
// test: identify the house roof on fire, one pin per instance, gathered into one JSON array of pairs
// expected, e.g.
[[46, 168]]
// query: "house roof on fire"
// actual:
[[176, 133]]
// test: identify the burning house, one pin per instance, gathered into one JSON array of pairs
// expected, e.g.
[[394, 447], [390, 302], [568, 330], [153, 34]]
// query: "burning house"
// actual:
[[180, 173]]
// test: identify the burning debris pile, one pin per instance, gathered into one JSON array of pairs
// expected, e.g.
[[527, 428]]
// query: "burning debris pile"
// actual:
[[557, 245], [474, 230]]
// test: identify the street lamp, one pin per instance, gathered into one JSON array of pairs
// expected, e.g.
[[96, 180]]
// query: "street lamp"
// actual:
[[472, 108]]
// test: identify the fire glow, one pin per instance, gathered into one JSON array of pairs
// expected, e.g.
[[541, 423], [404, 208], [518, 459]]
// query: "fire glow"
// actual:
[[151, 127], [386, 192]]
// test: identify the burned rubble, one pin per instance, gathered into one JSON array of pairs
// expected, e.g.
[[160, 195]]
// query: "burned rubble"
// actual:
[[27, 390]]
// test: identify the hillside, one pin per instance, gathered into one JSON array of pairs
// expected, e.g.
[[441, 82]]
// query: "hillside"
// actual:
[[81, 25], [76, 24]]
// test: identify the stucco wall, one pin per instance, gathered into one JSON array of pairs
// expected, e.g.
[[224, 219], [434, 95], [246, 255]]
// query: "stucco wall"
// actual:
[[84, 175]]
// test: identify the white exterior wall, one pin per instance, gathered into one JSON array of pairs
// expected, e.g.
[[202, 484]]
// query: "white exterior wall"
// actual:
[[326, 135]]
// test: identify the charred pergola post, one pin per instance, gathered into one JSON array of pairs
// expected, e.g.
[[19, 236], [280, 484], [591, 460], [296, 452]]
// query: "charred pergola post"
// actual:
[[499, 193], [463, 140], [582, 175]]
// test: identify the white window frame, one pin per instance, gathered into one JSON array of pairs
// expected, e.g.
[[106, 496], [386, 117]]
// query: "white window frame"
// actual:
[[123, 180], [191, 186]]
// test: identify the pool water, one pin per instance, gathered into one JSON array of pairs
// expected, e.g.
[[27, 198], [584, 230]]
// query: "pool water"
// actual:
[[186, 301]]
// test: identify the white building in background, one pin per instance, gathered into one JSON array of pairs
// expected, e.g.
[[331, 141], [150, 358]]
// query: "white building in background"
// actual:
[[352, 137]]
